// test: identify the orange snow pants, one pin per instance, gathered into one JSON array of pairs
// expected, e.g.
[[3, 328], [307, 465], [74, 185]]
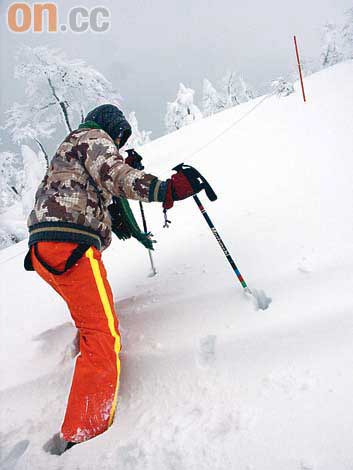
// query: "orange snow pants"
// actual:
[[85, 289]]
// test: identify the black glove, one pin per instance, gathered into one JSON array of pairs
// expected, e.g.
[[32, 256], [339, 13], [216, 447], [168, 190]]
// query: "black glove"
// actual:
[[134, 159]]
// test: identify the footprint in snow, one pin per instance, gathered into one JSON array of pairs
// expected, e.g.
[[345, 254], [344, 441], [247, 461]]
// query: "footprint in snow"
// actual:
[[207, 351], [304, 266], [306, 466], [10, 462], [63, 338], [130, 456], [259, 298]]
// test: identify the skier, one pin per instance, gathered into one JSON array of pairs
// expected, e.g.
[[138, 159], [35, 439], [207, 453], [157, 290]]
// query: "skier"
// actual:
[[69, 227]]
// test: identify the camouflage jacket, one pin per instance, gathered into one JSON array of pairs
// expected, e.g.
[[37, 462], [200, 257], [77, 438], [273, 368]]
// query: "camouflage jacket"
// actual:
[[71, 203]]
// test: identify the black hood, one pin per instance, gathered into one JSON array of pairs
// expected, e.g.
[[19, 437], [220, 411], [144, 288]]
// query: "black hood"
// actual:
[[112, 121]]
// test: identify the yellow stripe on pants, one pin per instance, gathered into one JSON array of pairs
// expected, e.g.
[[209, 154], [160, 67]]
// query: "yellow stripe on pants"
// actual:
[[110, 317]]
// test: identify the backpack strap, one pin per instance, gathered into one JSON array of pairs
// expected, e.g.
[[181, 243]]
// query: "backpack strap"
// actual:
[[72, 259]]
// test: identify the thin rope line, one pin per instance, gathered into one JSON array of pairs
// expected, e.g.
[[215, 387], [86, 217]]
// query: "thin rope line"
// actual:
[[196, 151], [231, 126]]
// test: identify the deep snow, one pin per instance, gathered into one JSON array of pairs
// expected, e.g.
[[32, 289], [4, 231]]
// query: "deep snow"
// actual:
[[207, 380]]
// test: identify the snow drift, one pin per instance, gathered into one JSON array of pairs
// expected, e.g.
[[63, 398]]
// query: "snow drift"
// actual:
[[207, 381]]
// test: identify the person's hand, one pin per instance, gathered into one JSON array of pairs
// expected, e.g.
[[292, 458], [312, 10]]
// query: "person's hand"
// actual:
[[134, 159], [181, 186]]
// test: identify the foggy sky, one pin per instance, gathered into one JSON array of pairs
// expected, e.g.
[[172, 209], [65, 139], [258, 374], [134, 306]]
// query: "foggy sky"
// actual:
[[155, 44]]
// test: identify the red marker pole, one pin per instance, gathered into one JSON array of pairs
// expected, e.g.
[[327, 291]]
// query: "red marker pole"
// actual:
[[299, 67]]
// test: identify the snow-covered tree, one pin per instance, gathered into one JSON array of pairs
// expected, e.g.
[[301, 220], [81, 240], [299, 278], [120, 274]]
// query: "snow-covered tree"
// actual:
[[347, 35], [212, 101], [23, 127], [332, 46], [247, 92], [230, 90], [235, 90], [182, 111], [7, 239], [57, 93], [12, 183], [138, 137], [282, 87], [338, 41], [34, 171], [11, 179]]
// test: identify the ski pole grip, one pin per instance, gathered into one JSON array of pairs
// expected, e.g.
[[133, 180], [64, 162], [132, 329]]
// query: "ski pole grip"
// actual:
[[212, 196], [194, 176]]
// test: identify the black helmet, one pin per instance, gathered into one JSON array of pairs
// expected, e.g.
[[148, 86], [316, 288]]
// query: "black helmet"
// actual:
[[112, 121]]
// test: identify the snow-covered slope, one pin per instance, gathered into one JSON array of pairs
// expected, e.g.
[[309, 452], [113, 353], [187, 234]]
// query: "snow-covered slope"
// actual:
[[208, 381]]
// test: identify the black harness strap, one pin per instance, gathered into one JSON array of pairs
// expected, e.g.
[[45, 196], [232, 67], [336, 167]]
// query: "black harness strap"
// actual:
[[73, 258]]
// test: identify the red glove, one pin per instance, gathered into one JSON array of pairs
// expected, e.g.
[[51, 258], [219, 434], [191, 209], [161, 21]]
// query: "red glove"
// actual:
[[178, 188]]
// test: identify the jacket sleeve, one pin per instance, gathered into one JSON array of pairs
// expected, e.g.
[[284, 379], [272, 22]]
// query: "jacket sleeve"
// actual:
[[107, 168]]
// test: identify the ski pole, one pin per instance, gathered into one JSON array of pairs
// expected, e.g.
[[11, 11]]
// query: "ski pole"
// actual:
[[134, 160], [198, 182], [221, 244], [154, 271]]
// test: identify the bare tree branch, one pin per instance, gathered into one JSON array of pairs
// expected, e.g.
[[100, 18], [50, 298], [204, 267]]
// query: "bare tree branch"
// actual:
[[62, 105], [14, 190], [44, 107], [40, 145]]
